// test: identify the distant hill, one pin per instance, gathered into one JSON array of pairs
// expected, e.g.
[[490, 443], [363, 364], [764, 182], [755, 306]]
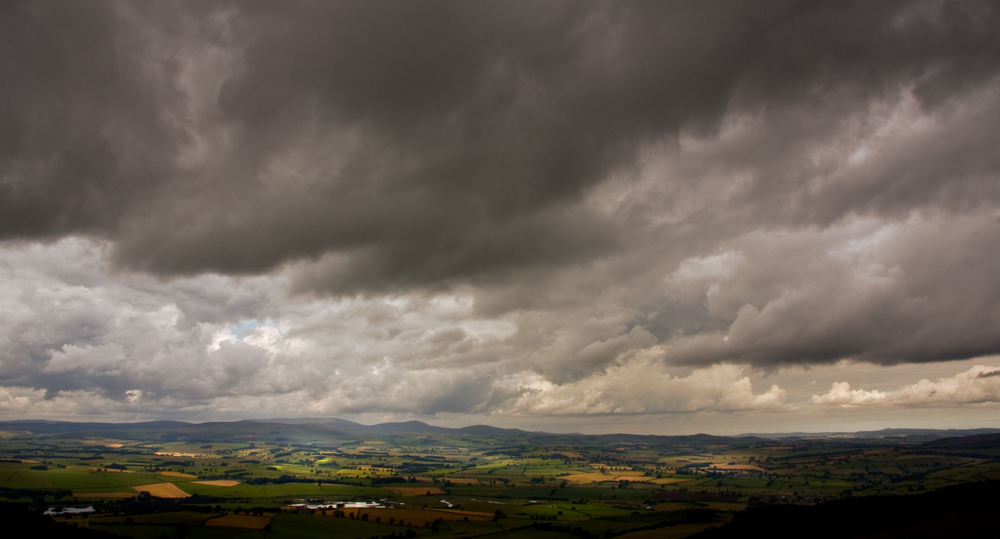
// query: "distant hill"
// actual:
[[335, 430], [910, 435], [978, 441]]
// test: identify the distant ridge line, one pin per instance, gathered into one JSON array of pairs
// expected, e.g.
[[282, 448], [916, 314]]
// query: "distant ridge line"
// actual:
[[343, 427]]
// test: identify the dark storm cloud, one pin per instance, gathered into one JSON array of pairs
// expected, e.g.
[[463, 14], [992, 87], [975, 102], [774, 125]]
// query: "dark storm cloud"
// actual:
[[418, 142], [762, 183]]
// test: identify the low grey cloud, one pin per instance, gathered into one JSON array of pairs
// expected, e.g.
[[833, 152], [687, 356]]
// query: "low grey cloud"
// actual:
[[448, 207]]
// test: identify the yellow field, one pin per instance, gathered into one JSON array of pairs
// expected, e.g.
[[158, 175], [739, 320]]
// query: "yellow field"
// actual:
[[668, 481], [178, 474], [230, 520], [162, 490], [103, 494], [416, 491], [599, 477], [587, 477], [218, 482]]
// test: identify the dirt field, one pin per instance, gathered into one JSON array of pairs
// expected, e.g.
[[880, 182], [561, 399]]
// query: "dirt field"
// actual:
[[599, 477], [162, 490], [218, 482], [416, 491], [178, 474], [230, 520], [103, 494]]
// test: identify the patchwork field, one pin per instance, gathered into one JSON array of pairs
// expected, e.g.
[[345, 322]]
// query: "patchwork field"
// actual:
[[218, 482], [415, 491], [263, 482], [179, 474], [162, 490]]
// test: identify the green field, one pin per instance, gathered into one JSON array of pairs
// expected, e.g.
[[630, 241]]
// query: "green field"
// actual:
[[604, 486]]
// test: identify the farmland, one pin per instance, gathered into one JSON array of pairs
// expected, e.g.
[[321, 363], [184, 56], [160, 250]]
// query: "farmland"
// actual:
[[312, 480]]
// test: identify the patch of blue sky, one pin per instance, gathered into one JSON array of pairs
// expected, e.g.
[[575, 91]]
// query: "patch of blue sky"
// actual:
[[243, 329]]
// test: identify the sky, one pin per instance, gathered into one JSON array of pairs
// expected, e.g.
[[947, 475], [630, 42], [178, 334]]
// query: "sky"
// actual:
[[573, 216]]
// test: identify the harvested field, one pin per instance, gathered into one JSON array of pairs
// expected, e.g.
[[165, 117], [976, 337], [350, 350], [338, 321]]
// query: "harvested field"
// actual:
[[162, 490], [218, 482], [415, 491], [668, 481], [178, 474], [80, 468], [231, 520], [600, 477], [103, 494], [749, 467]]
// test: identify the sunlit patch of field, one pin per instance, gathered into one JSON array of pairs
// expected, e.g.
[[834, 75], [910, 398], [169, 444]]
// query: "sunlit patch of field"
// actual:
[[415, 491], [600, 477], [588, 477], [738, 467], [162, 490], [218, 482], [231, 520], [179, 474], [107, 442], [669, 481]]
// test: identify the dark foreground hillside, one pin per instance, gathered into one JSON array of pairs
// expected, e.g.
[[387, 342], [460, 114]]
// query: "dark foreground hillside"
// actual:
[[23, 522], [968, 510]]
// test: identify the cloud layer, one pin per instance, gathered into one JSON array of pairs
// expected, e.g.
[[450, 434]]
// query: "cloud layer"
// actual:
[[511, 207]]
